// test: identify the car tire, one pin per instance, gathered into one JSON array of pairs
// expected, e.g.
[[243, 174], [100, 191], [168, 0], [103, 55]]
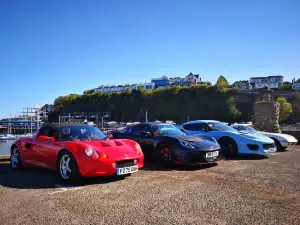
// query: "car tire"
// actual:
[[278, 145], [229, 147], [166, 154], [15, 158], [67, 167]]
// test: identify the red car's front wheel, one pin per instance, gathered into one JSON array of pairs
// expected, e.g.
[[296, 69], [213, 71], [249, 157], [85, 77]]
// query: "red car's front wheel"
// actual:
[[67, 167], [15, 158]]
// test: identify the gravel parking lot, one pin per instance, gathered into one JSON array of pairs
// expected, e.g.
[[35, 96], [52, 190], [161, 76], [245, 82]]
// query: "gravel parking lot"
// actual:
[[242, 190]]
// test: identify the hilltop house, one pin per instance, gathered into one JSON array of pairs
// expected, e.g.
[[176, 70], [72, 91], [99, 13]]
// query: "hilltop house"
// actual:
[[296, 85], [242, 84], [269, 82], [188, 80], [120, 88]]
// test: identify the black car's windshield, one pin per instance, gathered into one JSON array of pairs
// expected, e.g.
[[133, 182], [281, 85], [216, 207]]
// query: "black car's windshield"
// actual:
[[167, 130], [80, 133], [218, 126]]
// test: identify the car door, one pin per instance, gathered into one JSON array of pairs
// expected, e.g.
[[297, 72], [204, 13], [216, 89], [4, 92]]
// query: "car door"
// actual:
[[47, 149], [146, 140], [29, 155], [140, 133]]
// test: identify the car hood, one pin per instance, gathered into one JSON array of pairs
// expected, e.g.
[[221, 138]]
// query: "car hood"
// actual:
[[117, 149], [255, 136], [280, 136], [202, 143]]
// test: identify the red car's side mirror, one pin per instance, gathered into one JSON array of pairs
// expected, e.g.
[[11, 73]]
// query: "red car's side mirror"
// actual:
[[45, 138], [110, 136]]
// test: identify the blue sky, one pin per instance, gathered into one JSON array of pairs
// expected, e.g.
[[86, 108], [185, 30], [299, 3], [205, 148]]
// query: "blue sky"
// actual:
[[54, 48]]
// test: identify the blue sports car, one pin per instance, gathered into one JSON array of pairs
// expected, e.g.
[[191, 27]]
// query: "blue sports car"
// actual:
[[231, 141]]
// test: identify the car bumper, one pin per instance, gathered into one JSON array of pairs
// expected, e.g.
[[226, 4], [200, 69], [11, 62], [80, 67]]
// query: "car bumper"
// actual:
[[256, 147], [104, 167], [195, 158], [286, 144]]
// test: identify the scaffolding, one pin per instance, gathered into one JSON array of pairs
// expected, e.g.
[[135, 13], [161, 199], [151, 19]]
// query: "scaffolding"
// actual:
[[31, 114], [99, 118]]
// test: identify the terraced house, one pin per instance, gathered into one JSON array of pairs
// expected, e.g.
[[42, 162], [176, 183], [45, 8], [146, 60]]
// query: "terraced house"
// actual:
[[120, 88]]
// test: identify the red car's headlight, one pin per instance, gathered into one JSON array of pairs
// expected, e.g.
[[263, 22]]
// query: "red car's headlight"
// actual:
[[91, 152]]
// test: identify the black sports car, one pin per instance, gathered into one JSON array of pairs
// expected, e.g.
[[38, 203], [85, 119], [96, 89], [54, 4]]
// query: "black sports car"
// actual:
[[168, 144]]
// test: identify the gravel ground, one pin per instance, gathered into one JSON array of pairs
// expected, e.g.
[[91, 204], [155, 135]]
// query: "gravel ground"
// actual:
[[243, 190]]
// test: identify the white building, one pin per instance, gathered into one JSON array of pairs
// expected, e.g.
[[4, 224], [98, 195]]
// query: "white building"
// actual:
[[120, 88], [264, 85], [188, 80], [270, 82]]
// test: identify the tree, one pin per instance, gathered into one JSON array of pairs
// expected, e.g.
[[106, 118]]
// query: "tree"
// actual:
[[222, 82], [287, 85], [88, 92], [232, 110], [285, 108]]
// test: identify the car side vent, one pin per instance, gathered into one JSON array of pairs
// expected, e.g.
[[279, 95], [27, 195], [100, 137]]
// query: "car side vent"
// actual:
[[253, 146], [118, 143], [105, 144]]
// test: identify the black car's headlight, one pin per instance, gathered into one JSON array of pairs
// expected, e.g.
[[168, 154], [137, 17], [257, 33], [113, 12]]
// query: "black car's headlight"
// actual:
[[186, 144], [215, 140], [205, 137]]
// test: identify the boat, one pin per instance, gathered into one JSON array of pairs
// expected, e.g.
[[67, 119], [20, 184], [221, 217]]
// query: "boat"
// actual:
[[7, 137]]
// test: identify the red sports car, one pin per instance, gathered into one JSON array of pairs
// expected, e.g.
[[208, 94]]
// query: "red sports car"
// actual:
[[76, 150]]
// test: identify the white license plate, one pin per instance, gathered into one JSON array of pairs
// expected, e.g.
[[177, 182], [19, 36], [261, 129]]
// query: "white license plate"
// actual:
[[272, 149], [212, 154], [126, 170]]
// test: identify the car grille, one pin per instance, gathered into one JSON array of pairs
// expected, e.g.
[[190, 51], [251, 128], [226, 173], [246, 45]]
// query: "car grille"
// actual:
[[268, 146], [197, 158], [124, 163]]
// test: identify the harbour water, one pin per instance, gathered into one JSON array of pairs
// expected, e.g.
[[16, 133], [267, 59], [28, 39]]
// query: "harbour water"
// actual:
[[4, 148]]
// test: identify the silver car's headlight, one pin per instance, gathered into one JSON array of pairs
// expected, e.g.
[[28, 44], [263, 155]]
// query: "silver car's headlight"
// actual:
[[186, 144]]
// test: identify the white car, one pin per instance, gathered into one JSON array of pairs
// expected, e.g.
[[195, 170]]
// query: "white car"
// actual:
[[282, 141]]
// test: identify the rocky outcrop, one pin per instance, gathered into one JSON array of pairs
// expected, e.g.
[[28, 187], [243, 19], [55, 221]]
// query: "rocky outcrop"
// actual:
[[266, 114]]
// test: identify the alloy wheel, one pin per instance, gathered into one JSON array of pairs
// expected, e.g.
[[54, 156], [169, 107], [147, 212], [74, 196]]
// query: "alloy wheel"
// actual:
[[165, 153], [65, 169], [14, 157]]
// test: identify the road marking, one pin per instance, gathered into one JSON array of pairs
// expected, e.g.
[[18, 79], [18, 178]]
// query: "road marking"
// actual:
[[59, 191], [62, 189]]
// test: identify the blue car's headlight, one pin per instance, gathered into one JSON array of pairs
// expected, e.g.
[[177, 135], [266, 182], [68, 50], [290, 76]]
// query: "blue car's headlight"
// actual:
[[214, 140], [186, 144]]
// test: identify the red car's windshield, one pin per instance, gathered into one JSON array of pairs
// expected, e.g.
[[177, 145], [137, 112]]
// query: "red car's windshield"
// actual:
[[80, 133]]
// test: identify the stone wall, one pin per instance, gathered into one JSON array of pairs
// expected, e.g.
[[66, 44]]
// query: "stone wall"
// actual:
[[266, 116]]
